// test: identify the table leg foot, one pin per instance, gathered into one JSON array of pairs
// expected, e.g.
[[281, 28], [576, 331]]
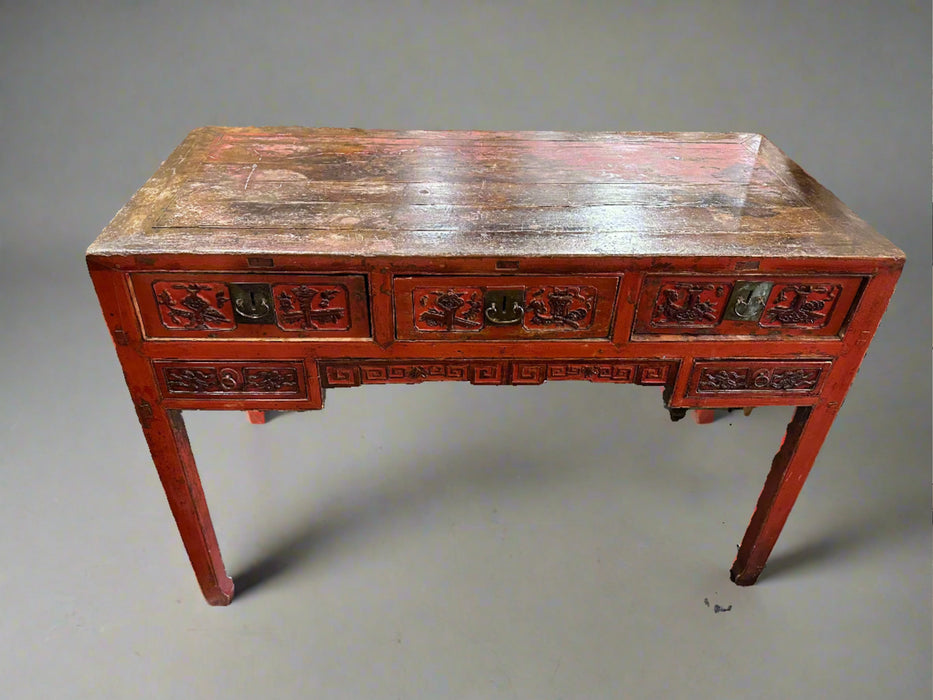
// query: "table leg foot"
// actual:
[[168, 442], [221, 594], [744, 578], [256, 417], [789, 470], [703, 416], [677, 413]]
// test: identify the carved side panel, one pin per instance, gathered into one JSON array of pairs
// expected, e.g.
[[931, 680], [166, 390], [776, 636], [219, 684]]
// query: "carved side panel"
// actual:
[[800, 305], [226, 379], [194, 306], [757, 377], [314, 307], [452, 309], [559, 307]]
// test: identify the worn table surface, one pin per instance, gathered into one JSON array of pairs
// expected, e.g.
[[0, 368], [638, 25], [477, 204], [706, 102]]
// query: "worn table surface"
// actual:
[[351, 192]]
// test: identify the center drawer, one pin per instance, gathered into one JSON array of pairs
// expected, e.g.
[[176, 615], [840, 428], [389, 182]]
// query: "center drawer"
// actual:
[[504, 307]]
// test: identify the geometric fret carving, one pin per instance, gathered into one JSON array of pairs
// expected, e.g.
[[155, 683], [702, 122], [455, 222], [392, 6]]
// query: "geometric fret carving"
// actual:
[[343, 373], [338, 374], [616, 371]]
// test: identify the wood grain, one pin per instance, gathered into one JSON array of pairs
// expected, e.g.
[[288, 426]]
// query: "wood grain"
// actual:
[[260, 266], [348, 192]]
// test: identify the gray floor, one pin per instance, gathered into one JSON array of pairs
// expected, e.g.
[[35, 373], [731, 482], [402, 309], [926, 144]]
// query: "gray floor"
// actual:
[[443, 541]]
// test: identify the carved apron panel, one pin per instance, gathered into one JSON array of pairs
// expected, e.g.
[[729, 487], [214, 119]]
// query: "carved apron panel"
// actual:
[[758, 377], [207, 379]]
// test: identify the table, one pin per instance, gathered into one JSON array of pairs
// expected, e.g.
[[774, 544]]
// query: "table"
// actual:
[[259, 267]]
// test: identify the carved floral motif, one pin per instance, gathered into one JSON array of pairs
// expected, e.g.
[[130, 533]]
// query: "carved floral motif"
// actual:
[[693, 304], [222, 379], [801, 305], [560, 306], [761, 378], [303, 307], [449, 310], [785, 380], [194, 306], [723, 380]]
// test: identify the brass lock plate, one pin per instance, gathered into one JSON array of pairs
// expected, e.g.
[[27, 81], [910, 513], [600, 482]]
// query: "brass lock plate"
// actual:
[[252, 303], [748, 301], [504, 307]]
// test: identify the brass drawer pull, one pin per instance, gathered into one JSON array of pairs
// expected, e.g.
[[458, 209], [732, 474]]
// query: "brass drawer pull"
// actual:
[[511, 311], [253, 302], [748, 301]]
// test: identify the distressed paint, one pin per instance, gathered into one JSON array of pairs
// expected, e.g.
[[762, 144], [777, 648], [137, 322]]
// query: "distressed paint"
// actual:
[[369, 216], [348, 192]]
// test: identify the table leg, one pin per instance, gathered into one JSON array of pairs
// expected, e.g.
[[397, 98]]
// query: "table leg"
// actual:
[[703, 416], [789, 470], [256, 417], [168, 441]]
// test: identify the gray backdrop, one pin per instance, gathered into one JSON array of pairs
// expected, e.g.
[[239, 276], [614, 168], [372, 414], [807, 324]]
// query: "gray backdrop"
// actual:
[[403, 543]]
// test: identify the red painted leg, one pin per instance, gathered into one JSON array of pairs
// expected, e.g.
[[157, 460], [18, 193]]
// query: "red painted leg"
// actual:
[[704, 416], [256, 417], [168, 441], [805, 435]]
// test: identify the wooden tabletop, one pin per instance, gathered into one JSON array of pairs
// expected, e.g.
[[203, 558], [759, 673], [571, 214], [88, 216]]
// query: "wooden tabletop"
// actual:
[[351, 192]]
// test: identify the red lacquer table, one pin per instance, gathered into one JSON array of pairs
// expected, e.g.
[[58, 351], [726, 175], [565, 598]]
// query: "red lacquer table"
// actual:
[[259, 267]]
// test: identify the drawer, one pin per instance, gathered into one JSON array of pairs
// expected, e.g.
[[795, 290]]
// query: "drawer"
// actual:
[[781, 307], [750, 378], [251, 305], [504, 307], [218, 379]]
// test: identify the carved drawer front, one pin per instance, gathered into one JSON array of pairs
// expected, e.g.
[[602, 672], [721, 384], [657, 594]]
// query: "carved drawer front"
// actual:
[[504, 307], [251, 305], [217, 379], [782, 307], [757, 377]]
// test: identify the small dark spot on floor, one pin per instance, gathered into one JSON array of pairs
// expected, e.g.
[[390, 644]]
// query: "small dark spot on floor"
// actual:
[[706, 601], [718, 608]]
